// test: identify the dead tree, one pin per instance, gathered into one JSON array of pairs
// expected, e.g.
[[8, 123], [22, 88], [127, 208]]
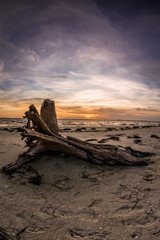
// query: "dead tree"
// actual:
[[43, 137]]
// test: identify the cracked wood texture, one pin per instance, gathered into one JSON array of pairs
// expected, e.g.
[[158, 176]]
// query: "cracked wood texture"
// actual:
[[45, 131]]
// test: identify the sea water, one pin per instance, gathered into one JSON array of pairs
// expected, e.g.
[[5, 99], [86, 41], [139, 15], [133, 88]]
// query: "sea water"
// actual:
[[86, 124]]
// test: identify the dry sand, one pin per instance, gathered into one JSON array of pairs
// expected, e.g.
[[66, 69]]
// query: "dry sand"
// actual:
[[78, 200]]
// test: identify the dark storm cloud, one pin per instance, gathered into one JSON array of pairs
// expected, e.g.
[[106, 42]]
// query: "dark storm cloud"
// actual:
[[139, 22], [33, 31]]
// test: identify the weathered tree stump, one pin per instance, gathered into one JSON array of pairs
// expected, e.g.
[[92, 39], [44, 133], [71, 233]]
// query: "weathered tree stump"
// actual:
[[45, 131]]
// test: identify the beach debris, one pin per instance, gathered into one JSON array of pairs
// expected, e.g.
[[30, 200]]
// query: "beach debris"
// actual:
[[110, 129], [94, 202], [137, 141], [136, 136], [82, 129], [155, 136], [127, 128], [135, 127], [36, 180], [103, 140], [149, 176], [114, 138], [91, 140], [26, 174], [78, 130], [66, 129], [43, 132], [90, 234], [4, 235], [134, 235]]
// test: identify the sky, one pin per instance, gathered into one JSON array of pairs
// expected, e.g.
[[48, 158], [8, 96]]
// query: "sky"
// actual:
[[96, 59]]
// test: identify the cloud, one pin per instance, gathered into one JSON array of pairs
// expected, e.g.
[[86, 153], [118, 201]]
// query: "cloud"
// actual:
[[80, 53], [1, 65], [96, 112], [147, 109], [19, 106]]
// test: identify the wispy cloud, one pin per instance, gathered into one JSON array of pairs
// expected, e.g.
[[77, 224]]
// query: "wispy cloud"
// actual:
[[80, 53]]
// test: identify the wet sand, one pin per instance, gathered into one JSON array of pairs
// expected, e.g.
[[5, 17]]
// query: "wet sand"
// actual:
[[78, 200]]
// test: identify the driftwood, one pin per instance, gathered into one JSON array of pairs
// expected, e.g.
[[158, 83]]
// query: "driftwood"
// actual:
[[43, 137], [6, 236]]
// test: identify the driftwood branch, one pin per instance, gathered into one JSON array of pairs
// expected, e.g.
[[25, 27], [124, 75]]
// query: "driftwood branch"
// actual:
[[45, 132]]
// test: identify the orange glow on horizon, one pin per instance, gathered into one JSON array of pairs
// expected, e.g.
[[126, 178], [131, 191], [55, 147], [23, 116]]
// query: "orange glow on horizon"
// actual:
[[14, 109], [90, 116], [67, 114]]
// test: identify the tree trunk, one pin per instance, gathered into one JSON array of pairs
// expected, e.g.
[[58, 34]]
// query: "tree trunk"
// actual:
[[45, 131], [48, 114]]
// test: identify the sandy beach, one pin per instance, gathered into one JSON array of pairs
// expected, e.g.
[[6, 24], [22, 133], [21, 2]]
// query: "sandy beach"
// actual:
[[78, 200], [80, 83]]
